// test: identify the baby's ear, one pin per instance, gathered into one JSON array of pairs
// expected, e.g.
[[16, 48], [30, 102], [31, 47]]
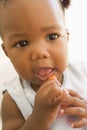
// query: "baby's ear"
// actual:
[[67, 33], [3, 48]]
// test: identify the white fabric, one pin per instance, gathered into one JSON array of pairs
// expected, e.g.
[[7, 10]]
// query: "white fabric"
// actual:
[[75, 77], [19, 95], [0, 104]]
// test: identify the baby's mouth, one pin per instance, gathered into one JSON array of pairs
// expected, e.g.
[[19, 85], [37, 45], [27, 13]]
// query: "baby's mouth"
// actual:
[[44, 73]]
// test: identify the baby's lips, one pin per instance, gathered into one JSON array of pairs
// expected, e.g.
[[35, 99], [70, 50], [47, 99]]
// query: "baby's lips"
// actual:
[[44, 71]]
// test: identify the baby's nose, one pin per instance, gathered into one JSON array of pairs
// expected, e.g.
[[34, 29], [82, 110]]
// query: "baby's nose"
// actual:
[[40, 52]]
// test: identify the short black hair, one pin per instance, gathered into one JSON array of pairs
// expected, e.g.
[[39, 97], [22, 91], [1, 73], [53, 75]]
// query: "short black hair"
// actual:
[[65, 3]]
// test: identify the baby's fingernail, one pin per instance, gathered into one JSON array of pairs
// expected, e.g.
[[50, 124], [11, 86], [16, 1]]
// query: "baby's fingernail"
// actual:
[[68, 95], [72, 125], [67, 92], [62, 111], [59, 83]]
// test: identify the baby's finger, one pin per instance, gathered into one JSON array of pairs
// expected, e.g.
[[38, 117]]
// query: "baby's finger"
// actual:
[[77, 111], [75, 102], [74, 93], [79, 123], [62, 96]]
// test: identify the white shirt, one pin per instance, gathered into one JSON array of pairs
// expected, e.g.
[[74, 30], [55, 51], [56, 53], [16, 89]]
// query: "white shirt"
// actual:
[[75, 77]]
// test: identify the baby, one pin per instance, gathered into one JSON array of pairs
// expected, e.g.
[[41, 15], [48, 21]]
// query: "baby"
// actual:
[[36, 41]]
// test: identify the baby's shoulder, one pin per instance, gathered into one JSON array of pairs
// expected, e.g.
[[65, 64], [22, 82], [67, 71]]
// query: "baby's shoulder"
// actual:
[[10, 112], [6, 100]]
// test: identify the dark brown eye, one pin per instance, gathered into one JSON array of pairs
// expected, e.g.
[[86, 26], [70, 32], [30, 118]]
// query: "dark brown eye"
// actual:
[[52, 36], [21, 44]]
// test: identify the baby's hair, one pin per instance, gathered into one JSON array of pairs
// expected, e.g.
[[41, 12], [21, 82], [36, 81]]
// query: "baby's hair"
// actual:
[[65, 3]]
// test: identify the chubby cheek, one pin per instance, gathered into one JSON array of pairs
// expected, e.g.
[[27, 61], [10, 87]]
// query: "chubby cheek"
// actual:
[[21, 66], [21, 63], [61, 65], [61, 58], [24, 71]]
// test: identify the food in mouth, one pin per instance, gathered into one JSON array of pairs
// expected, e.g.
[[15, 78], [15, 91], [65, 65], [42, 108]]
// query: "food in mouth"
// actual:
[[52, 77]]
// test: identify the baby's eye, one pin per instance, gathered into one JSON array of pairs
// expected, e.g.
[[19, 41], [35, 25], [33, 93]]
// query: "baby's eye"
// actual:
[[52, 36], [21, 44]]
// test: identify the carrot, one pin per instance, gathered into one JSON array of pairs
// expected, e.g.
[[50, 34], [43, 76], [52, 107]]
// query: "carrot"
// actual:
[[52, 77]]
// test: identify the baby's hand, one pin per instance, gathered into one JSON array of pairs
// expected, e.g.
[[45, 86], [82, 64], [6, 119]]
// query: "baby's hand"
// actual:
[[75, 106], [48, 101]]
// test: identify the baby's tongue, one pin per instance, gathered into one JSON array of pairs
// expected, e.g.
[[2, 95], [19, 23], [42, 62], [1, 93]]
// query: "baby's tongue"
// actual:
[[44, 71]]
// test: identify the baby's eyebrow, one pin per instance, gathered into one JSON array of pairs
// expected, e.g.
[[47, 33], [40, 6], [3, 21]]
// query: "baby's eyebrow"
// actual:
[[15, 35], [43, 29], [50, 28]]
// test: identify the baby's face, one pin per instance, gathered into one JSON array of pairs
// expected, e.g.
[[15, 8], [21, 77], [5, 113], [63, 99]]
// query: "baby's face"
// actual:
[[35, 38]]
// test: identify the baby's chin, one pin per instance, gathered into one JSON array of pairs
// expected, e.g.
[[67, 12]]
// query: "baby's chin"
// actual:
[[36, 86]]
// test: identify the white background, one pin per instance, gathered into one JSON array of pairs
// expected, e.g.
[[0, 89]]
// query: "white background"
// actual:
[[76, 22]]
